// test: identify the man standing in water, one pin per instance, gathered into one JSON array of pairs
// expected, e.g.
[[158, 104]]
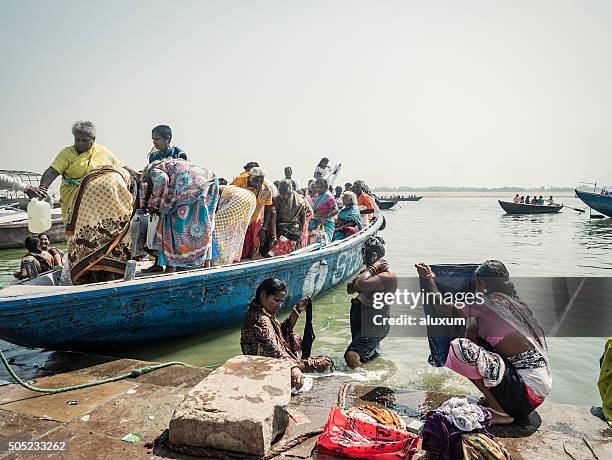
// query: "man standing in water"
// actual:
[[374, 278]]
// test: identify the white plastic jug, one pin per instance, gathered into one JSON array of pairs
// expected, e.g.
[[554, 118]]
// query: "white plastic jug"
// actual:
[[39, 216]]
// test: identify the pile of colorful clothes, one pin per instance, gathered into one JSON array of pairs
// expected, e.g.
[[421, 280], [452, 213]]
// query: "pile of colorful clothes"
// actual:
[[457, 430]]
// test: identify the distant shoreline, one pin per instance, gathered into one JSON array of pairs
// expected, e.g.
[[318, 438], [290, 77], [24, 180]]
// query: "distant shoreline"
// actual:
[[543, 190]]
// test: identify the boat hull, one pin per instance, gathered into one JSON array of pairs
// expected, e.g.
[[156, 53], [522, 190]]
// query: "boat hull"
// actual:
[[598, 202], [384, 205], [13, 235], [519, 208], [168, 305]]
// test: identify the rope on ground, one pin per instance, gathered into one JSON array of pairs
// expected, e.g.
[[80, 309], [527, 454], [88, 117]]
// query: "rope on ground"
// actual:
[[342, 392], [590, 448], [132, 374]]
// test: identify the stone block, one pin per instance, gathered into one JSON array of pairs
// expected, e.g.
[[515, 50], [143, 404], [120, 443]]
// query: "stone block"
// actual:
[[240, 407]]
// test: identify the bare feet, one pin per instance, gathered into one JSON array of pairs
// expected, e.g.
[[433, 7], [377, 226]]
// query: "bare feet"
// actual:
[[500, 418], [153, 269]]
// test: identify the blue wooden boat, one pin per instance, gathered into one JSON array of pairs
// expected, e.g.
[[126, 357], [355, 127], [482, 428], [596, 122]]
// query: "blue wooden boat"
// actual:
[[167, 305], [597, 201]]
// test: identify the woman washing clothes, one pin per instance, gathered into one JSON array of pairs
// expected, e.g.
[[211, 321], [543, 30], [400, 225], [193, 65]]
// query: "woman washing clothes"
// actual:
[[507, 359], [264, 335]]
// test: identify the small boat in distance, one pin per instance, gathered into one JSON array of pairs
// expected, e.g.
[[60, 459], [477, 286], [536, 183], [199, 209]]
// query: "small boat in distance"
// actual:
[[597, 201], [401, 198], [522, 208], [386, 204]]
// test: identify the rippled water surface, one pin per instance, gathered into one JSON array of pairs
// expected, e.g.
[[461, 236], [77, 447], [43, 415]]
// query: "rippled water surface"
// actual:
[[437, 229]]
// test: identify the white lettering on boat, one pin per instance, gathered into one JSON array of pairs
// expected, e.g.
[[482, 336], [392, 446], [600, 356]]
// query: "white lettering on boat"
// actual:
[[315, 278]]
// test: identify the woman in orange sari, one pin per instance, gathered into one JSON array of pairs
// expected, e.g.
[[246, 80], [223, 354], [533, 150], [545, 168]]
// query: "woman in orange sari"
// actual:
[[254, 180]]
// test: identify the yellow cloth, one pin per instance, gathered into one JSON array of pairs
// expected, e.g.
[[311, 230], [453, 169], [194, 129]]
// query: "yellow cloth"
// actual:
[[236, 206], [605, 382], [264, 196], [73, 167]]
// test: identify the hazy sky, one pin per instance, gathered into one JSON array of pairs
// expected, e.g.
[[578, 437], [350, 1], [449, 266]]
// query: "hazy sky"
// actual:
[[475, 93]]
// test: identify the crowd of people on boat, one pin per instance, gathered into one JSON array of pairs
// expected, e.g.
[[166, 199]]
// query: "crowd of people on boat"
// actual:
[[541, 201], [195, 218]]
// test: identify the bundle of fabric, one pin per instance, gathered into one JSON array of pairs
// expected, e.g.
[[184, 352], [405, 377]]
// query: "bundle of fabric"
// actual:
[[367, 432], [97, 226], [478, 446], [448, 432], [236, 206], [375, 414]]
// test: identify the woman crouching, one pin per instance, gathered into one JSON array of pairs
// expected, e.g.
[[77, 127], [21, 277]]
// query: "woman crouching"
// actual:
[[264, 335], [507, 357]]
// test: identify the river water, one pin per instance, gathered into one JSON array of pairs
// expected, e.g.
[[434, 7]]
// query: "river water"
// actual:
[[441, 228]]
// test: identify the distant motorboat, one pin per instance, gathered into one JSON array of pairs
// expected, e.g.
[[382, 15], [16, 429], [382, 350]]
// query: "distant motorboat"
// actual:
[[597, 201], [522, 208], [401, 198]]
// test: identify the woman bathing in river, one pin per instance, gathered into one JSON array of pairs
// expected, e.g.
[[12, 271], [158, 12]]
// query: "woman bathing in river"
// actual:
[[264, 335], [507, 359]]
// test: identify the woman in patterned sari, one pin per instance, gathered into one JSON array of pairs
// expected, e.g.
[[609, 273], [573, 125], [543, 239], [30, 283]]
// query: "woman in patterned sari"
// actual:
[[185, 196], [288, 219], [254, 180], [325, 208], [98, 224], [263, 334], [348, 221], [236, 206]]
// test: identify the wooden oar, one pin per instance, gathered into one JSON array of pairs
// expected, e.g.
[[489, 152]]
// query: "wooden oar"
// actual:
[[575, 209]]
